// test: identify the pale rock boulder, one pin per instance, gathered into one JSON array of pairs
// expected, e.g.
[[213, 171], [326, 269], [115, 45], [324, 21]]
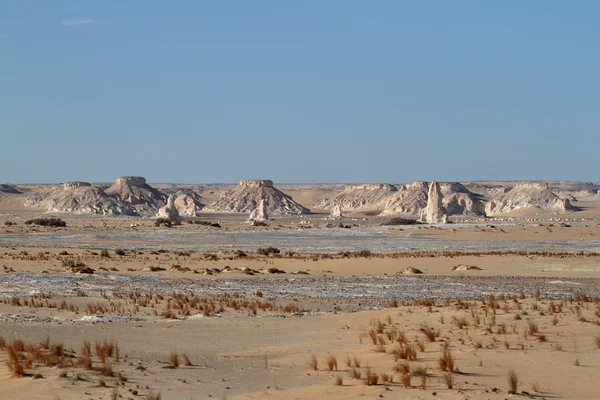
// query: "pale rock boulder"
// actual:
[[434, 212], [187, 202], [169, 211], [336, 212], [260, 213]]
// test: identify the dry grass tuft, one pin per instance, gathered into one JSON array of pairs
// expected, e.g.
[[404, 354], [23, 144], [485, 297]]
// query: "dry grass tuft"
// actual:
[[446, 361], [332, 364], [339, 381], [449, 380], [174, 360], [313, 363], [597, 341], [187, 362], [370, 378], [405, 379], [513, 381]]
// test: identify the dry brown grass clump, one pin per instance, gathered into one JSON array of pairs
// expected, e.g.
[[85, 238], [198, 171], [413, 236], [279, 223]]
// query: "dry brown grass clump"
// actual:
[[513, 381], [429, 333], [532, 328], [597, 341], [449, 380], [370, 378], [187, 362], [339, 381], [332, 364], [313, 363], [446, 361], [174, 360]]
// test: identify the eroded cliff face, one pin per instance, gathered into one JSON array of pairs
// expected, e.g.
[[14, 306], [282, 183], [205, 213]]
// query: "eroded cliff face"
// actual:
[[359, 197], [528, 195]]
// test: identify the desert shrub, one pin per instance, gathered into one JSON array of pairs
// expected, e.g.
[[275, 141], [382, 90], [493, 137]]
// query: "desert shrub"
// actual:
[[73, 264], [104, 253], [205, 223], [362, 253], [259, 223], [55, 222], [401, 221], [9, 223], [120, 252], [269, 250], [162, 221]]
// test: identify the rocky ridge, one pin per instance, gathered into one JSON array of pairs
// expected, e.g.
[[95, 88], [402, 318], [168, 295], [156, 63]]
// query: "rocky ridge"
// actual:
[[529, 195], [79, 198]]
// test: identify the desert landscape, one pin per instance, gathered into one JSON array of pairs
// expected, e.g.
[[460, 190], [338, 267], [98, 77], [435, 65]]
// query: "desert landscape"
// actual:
[[472, 290], [298, 200]]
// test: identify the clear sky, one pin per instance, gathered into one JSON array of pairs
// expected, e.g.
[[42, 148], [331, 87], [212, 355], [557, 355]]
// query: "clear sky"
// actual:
[[299, 91]]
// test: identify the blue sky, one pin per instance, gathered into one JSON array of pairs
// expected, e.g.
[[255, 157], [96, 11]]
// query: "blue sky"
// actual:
[[332, 91]]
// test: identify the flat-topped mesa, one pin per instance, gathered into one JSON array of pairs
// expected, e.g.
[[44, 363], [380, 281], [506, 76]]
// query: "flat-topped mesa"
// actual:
[[532, 185], [131, 180], [371, 186], [246, 197], [74, 185], [256, 183], [143, 198]]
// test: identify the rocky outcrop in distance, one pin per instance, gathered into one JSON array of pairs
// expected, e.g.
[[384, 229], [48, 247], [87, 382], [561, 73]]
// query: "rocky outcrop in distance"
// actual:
[[8, 189], [134, 190], [79, 198], [249, 193], [529, 195], [364, 197], [434, 212]]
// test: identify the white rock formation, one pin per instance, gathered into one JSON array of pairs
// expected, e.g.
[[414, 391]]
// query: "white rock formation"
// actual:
[[187, 202], [411, 199], [79, 198], [260, 213], [434, 212], [336, 212], [458, 200], [143, 198], [247, 196], [529, 195], [408, 200], [169, 211], [360, 197]]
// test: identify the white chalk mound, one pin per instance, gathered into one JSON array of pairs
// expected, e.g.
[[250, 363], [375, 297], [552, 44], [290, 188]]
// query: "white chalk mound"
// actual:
[[360, 197], [134, 190], [79, 198], [528, 195], [248, 194]]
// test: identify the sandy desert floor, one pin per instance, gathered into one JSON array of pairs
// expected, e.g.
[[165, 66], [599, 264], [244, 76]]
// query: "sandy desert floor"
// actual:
[[241, 325]]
